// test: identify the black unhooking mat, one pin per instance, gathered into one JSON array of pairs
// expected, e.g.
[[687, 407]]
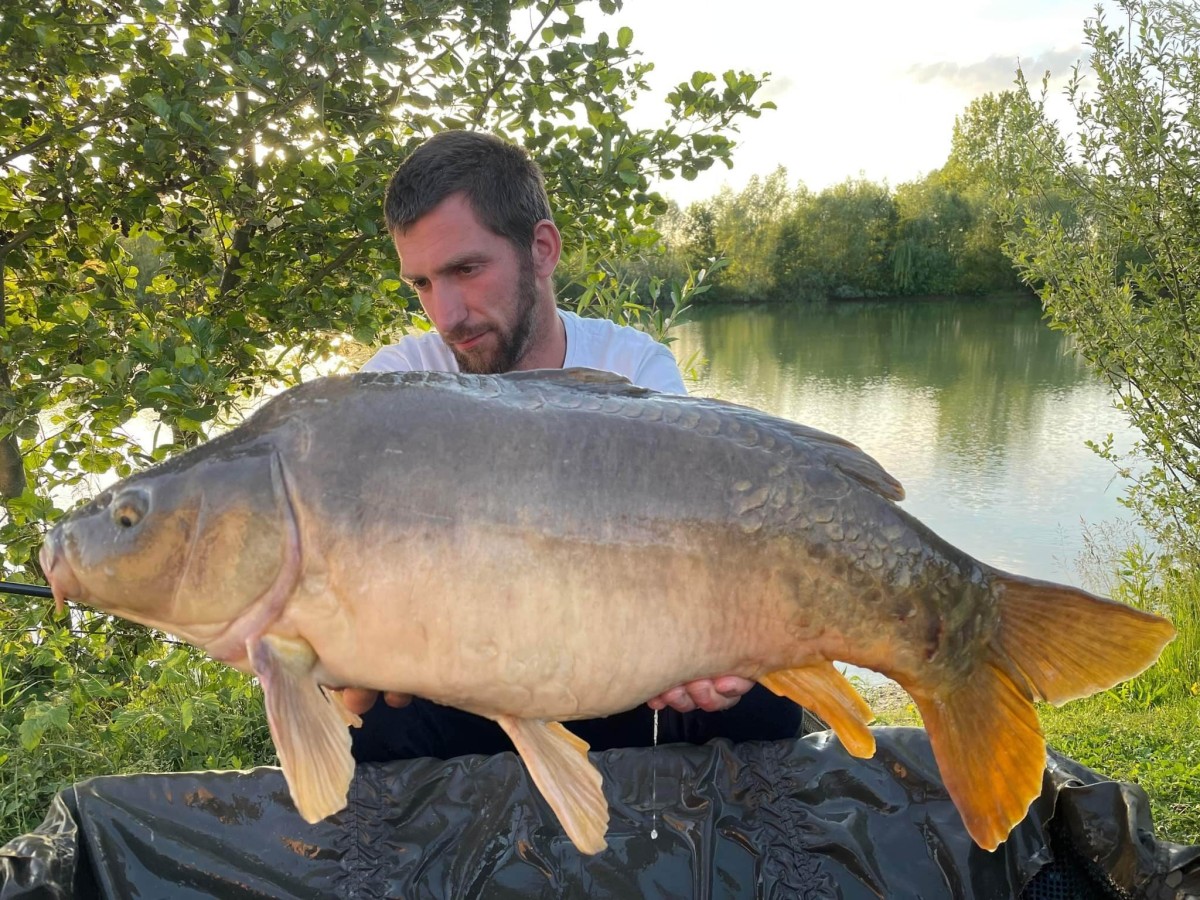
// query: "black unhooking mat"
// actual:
[[789, 819]]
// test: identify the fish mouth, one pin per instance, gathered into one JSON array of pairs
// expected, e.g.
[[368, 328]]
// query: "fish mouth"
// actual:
[[64, 583]]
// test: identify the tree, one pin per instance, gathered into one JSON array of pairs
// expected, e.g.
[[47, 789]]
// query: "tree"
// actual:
[[838, 243], [986, 164], [949, 240], [1120, 268], [699, 232], [987, 145], [190, 210], [933, 219], [746, 230]]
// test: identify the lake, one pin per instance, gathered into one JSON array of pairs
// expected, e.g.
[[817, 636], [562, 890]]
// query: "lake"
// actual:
[[976, 406]]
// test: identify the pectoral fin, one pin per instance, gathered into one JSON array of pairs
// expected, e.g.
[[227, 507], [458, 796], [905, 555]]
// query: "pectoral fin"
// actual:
[[308, 727], [558, 762], [824, 690]]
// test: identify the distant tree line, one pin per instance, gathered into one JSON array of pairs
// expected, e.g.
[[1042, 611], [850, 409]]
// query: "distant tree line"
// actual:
[[937, 235]]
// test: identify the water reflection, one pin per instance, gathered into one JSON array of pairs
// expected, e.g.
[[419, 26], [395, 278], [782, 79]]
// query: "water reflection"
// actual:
[[978, 407]]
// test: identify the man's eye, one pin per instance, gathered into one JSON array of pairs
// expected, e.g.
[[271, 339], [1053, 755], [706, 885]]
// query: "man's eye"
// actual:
[[419, 284], [467, 270]]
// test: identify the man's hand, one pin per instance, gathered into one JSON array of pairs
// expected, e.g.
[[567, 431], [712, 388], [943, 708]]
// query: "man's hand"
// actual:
[[708, 694], [359, 700]]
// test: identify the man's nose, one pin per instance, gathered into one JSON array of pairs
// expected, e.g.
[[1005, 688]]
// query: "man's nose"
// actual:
[[444, 306]]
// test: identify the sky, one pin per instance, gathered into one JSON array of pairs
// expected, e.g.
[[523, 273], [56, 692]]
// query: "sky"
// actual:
[[862, 86]]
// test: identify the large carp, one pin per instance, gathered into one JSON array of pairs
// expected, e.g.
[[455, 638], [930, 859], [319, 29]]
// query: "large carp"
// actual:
[[546, 546]]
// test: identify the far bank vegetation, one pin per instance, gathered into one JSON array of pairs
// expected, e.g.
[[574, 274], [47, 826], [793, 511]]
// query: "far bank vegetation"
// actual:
[[783, 242]]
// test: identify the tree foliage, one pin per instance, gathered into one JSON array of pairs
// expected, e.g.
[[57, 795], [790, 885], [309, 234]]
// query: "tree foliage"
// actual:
[[746, 229], [190, 210], [858, 238], [1112, 234], [103, 697], [838, 244]]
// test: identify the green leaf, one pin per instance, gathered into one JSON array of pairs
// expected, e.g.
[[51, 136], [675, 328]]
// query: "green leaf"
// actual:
[[98, 370], [624, 37], [157, 104], [88, 233], [94, 463], [186, 713], [41, 717]]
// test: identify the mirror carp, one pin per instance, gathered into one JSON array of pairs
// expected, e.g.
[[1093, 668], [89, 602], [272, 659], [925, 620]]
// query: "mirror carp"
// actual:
[[545, 546]]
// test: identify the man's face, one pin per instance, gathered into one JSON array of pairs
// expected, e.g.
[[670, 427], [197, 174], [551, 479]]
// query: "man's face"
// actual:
[[476, 288]]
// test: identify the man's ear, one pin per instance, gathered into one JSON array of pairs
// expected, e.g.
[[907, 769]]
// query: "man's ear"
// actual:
[[546, 248]]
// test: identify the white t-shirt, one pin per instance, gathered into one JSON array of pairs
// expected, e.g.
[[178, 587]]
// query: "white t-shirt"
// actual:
[[594, 343]]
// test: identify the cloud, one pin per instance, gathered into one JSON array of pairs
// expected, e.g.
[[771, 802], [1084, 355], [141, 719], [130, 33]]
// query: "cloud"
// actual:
[[775, 88], [997, 73]]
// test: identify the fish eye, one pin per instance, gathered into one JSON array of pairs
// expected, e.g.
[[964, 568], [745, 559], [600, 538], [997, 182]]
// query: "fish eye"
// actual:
[[129, 509]]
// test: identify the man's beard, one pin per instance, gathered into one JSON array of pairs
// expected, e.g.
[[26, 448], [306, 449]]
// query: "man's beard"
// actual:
[[512, 344]]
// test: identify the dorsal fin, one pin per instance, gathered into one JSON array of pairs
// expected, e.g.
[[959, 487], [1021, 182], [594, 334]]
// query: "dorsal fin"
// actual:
[[581, 377], [839, 453], [850, 459]]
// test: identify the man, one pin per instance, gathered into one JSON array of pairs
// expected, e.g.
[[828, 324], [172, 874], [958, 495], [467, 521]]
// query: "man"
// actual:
[[471, 222]]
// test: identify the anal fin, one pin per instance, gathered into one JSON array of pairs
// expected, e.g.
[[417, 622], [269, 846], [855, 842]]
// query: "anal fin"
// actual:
[[824, 690], [558, 763], [307, 726]]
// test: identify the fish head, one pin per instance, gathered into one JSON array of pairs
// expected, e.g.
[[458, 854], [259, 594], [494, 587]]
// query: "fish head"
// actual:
[[187, 546]]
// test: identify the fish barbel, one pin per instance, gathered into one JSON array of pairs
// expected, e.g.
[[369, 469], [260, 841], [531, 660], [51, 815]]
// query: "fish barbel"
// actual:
[[546, 546]]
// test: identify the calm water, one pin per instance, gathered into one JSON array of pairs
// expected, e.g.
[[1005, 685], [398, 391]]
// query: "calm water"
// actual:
[[977, 407]]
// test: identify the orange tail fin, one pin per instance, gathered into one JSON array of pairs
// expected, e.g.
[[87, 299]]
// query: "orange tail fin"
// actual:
[[1054, 643]]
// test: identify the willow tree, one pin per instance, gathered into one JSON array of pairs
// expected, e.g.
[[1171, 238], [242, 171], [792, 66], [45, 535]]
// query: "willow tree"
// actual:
[[1111, 233]]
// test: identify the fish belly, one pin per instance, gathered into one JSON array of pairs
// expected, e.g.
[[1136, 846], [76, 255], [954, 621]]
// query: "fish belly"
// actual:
[[536, 627]]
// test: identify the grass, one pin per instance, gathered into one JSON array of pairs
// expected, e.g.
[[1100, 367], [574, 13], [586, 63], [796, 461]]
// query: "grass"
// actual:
[[1146, 730], [1157, 748]]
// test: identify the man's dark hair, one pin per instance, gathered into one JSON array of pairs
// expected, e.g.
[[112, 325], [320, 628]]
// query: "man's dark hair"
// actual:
[[502, 184]]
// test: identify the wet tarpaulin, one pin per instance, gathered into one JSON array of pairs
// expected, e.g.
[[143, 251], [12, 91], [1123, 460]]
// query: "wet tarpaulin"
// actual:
[[789, 819]]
